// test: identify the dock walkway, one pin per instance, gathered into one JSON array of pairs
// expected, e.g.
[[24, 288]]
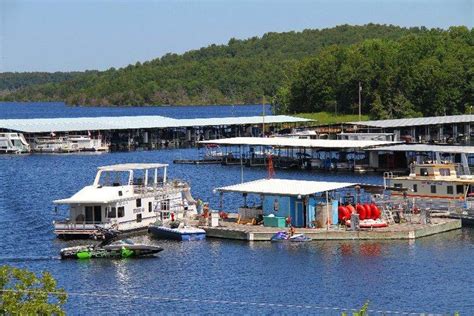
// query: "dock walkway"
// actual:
[[413, 230]]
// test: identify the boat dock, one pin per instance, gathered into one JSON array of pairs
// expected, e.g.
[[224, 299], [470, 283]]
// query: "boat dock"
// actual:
[[404, 231], [150, 132]]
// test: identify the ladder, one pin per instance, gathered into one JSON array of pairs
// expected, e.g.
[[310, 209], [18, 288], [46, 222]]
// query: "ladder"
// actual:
[[388, 216]]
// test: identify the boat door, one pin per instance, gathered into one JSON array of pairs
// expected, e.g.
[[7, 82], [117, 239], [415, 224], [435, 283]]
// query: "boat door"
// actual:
[[97, 214]]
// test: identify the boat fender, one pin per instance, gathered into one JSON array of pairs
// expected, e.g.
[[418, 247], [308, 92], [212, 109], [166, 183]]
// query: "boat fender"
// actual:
[[375, 211], [351, 209], [172, 217], [361, 211], [368, 211]]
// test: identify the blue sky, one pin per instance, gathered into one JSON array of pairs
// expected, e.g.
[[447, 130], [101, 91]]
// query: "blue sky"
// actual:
[[78, 35]]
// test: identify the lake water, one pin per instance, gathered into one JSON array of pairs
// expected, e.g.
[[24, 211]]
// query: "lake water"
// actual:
[[432, 274]]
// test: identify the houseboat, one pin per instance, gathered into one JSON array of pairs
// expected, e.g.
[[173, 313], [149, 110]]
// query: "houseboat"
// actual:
[[13, 143], [432, 181], [67, 144], [124, 197]]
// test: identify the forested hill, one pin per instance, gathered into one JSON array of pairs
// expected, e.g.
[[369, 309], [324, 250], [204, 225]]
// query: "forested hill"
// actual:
[[243, 71]]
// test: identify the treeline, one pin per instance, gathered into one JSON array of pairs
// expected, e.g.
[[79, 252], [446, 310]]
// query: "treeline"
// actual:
[[11, 81], [243, 71], [423, 74]]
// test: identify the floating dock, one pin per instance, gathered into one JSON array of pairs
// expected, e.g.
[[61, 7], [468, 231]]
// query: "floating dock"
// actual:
[[404, 231]]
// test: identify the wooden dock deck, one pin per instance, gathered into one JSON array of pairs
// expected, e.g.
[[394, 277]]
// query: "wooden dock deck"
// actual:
[[413, 230]]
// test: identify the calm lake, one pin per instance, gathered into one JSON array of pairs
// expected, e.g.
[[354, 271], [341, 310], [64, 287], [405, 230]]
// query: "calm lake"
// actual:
[[432, 274]]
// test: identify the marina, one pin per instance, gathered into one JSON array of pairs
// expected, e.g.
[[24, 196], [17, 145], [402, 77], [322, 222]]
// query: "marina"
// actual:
[[383, 251]]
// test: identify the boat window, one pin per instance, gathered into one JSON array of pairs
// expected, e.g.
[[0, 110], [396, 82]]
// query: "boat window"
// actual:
[[449, 189], [424, 172], [460, 189], [113, 178], [120, 211], [444, 172], [139, 217], [397, 185], [415, 188], [150, 207], [139, 202], [165, 205], [112, 213], [433, 189]]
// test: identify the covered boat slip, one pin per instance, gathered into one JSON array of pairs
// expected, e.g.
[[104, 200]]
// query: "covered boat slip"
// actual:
[[296, 152], [312, 207], [302, 203]]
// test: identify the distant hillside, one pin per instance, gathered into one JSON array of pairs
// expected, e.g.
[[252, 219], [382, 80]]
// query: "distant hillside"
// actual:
[[240, 72]]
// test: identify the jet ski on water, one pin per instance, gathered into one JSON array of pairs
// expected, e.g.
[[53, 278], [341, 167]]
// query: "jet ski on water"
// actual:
[[284, 236], [110, 247]]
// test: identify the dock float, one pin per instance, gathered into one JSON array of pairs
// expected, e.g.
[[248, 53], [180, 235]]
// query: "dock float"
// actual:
[[404, 231]]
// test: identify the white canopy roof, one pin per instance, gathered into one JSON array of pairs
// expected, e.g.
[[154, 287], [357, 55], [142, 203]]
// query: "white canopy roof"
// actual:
[[297, 142], [432, 120], [428, 148], [46, 125], [134, 166], [100, 195], [285, 187]]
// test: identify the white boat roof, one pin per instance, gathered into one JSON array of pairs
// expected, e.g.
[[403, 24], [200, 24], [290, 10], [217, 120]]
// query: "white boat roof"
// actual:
[[419, 121], [133, 166], [285, 187], [99, 195], [47, 125], [427, 148], [297, 142]]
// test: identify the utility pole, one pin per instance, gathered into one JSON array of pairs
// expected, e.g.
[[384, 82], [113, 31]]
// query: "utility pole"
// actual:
[[263, 116], [360, 113]]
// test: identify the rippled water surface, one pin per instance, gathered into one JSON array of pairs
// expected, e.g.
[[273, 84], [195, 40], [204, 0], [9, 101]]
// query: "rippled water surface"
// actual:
[[432, 274]]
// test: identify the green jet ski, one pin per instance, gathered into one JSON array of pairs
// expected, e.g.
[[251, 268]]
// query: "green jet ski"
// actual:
[[110, 248]]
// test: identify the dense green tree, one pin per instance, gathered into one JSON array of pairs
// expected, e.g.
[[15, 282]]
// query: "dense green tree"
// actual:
[[23, 293]]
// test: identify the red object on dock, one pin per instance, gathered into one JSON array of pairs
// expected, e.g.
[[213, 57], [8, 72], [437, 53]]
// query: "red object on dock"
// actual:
[[343, 213], [375, 211], [368, 211], [361, 211], [351, 209]]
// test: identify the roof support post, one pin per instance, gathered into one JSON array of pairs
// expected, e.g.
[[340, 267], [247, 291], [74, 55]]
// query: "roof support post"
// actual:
[[241, 166], [327, 210]]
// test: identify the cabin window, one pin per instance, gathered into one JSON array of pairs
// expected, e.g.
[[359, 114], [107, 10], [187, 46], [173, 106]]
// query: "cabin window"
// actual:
[[397, 185], [415, 188], [120, 193], [139, 217], [459, 189], [433, 189], [423, 172], [150, 207], [165, 205], [112, 213], [444, 172], [139, 202], [120, 211], [449, 189]]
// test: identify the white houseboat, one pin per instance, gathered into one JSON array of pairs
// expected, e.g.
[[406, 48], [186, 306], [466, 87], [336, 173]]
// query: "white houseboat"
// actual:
[[13, 143], [67, 144], [432, 181], [125, 197]]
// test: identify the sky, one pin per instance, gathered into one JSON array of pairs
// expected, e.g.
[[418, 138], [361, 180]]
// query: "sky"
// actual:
[[76, 35]]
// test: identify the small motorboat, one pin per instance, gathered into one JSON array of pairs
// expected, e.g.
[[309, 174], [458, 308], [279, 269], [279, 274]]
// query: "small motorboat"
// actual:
[[110, 248], [181, 233], [284, 236]]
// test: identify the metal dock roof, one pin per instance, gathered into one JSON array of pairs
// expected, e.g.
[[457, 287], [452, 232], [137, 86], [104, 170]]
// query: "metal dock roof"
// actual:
[[298, 142], [285, 187], [428, 148], [419, 121], [45, 125]]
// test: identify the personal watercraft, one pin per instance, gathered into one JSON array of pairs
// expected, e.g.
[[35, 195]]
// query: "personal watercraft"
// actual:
[[284, 236], [109, 248]]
